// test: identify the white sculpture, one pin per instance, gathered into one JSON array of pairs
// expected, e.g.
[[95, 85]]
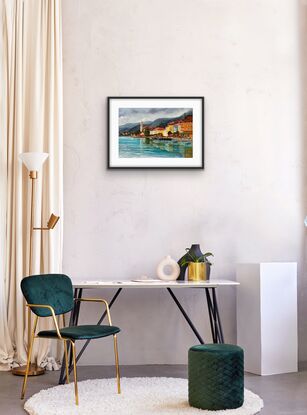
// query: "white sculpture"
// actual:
[[168, 269]]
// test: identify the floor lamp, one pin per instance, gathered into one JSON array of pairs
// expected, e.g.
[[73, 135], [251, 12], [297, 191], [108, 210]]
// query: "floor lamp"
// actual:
[[33, 162]]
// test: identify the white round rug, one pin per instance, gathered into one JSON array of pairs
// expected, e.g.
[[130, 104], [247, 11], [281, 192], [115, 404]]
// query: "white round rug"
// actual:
[[140, 396]]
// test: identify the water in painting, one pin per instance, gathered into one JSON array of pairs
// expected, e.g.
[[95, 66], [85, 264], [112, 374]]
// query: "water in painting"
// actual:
[[155, 132]]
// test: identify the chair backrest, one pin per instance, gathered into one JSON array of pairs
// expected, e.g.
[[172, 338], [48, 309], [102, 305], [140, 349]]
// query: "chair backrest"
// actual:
[[48, 289]]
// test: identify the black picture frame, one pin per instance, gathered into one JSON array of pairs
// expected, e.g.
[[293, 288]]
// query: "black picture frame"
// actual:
[[201, 165]]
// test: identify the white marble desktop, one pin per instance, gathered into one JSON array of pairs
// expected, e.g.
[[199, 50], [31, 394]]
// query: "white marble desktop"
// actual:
[[152, 284]]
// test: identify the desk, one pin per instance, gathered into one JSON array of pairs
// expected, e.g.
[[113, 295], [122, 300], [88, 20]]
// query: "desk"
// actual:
[[208, 286]]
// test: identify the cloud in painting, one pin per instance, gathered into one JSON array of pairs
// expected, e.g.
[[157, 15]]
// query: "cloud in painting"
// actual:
[[134, 115]]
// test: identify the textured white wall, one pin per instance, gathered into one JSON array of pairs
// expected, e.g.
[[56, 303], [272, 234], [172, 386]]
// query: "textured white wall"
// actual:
[[247, 205]]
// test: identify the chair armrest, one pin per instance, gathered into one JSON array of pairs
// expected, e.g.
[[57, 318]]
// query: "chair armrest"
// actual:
[[98, 300], [52, 315]]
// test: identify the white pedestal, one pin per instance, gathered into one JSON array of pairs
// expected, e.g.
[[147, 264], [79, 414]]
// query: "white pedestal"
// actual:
[[267, 316]]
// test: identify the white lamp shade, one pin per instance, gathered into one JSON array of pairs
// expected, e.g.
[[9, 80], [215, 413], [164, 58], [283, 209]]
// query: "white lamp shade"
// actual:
[[33, 161]]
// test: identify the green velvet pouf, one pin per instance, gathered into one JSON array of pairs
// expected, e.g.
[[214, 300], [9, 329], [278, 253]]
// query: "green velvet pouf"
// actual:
[[216, 376]]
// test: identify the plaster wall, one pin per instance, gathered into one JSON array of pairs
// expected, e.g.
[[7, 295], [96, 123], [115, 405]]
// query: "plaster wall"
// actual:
[[246, 206]]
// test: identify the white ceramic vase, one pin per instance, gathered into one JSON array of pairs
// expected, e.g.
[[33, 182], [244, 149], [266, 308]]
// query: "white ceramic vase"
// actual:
[[165, 264]]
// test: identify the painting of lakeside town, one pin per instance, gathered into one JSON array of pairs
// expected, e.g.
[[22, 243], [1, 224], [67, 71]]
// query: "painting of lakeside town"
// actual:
[[155, 132]]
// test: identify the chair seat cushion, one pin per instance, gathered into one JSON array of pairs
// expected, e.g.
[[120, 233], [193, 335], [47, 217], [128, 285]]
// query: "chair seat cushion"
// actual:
[[81, 332]]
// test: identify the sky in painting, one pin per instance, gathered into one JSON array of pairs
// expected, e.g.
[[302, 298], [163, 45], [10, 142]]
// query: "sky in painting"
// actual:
[[133, 115]]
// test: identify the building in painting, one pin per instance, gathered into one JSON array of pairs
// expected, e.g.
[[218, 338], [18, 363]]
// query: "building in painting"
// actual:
[[176, 128], [179, 128], [157, 131], [185, 126], [169, 129]]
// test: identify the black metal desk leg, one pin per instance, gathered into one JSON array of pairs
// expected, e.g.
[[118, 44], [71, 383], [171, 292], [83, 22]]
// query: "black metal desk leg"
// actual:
[[221, 334], [212, 326], [73, 321], [214, 316], [99, 322], [189, 321]]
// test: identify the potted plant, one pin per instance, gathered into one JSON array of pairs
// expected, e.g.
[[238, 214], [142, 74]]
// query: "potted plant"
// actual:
[[198, 264]]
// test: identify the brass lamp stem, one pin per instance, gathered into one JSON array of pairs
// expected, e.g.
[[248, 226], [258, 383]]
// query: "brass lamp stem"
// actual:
[[33, 161], [33, 370], [33, 176]]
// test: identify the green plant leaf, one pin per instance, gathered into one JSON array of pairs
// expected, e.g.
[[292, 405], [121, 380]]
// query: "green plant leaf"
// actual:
[[191, 257]]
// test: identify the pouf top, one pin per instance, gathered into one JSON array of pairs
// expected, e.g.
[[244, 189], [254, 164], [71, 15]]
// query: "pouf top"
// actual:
[[216, 348]]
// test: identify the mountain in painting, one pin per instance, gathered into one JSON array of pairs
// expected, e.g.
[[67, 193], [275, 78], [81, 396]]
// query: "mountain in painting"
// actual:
[[159, 122]]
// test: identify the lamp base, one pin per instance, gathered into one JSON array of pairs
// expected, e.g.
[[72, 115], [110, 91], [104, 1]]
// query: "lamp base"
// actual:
[[34, 370]]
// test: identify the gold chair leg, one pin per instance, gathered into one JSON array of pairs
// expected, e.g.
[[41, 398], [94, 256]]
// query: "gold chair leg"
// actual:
[[30, 346], [75, 371], [66, 361], [116, 363]]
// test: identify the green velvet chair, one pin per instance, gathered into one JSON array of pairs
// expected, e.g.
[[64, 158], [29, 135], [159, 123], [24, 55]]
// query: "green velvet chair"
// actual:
[[51, 295]]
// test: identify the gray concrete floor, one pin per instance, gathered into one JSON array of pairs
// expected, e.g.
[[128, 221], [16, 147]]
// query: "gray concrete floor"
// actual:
[[282, 394]]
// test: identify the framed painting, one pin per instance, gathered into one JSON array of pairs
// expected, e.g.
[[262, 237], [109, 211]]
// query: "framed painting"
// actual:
[[156, 132]]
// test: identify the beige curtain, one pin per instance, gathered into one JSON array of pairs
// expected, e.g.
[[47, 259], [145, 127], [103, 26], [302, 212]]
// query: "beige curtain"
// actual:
[[30, 120]]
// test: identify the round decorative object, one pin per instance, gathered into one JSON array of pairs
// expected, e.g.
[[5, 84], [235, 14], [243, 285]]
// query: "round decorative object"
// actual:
[[216, 376], [168, 269], [150, 396]]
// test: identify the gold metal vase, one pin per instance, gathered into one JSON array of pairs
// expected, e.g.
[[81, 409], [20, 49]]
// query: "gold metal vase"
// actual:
[[197, 271]]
